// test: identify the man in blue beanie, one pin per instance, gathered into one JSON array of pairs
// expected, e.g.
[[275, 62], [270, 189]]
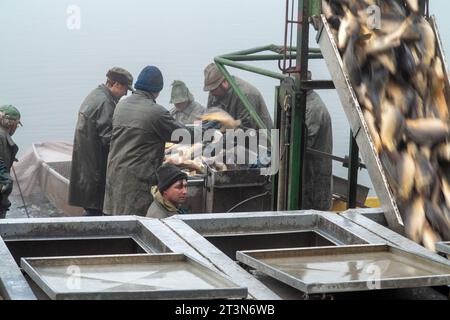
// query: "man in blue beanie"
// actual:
[[141, 127]]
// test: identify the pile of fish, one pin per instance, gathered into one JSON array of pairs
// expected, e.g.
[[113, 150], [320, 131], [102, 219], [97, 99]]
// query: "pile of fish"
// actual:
[[191, 157], [399, 80]]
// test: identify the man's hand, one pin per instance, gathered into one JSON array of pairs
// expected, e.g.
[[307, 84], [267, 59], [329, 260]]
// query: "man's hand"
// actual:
[[6, 188]]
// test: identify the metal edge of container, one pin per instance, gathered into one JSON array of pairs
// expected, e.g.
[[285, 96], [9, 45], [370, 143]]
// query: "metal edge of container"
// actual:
[[251, 258], [256, 289], [234, 291], [390, 236], [66, 226], [443, 247], [221, 222], [359, 127], [171, 240], [13, 285], [331, 224]]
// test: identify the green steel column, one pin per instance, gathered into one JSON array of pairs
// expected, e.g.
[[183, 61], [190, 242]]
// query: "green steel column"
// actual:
[[315, 7], [297, 147], [277, 124], [353, 172]]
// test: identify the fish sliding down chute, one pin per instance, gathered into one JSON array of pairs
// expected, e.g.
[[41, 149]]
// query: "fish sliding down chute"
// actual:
[[399, 80]]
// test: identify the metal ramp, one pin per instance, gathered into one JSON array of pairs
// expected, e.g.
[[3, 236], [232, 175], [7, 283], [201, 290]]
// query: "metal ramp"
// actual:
[[358, 124]]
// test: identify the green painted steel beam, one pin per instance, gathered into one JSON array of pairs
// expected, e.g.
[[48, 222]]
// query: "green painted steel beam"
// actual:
[[253, 50], [264, 72], [279, 49], [315, 8], [267, 57], [253, 114]]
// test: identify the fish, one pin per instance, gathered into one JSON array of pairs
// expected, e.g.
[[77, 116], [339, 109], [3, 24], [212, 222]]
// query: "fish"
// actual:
[[406, 172], [413, 5], [348, 28], [427, 131], [388, 61], [376, 78], [402, 97], [370, 121], [392, 124], [427, 43], [362, 93], [437, 219], [195, 164], [438, 100], [384, 42], [389, 168], [415, 219], [332, 18], [429, 237], [420, 82], [392, 7], [405, 61], [353, 61], [423, 175], [222, 117], [445, 187]]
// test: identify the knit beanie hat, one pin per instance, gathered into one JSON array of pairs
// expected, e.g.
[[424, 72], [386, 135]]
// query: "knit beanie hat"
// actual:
[[150, 79], [167, 175]]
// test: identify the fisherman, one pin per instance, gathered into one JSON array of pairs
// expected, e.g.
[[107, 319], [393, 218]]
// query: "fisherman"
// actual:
[[92, 139], [141, 127], [9, 120], [170, 193], [186, 110], [318, 169], [222, 95]]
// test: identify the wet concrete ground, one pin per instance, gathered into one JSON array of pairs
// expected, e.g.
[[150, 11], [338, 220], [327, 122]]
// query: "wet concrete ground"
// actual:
[[37, 206]]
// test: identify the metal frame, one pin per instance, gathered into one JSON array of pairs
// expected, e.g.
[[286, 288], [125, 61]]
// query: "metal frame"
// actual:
[[440, 276], [228, 290]]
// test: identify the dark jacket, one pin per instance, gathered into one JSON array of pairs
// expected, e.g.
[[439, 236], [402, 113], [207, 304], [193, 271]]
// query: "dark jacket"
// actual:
[[189, 114], [141, 127], [318, 170], [90, 149], [8, 152], [231, 103]]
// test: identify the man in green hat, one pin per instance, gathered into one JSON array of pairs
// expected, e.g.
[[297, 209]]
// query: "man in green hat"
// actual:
[[9, 120], [186, 110], [92, 141]]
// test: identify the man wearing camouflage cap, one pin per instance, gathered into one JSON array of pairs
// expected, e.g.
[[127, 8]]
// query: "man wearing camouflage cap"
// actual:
[[222, 95], [9, 120], [92, 141], [186, 110]]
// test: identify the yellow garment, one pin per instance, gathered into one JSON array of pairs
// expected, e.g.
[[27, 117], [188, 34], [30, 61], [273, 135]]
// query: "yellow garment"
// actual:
[[157, 196]]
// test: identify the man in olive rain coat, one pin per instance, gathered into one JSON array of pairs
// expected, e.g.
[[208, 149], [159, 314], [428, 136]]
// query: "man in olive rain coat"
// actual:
[[9, 120], [186, 110], [141, 127], [318, 169], [222, 95], [91, 142]]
